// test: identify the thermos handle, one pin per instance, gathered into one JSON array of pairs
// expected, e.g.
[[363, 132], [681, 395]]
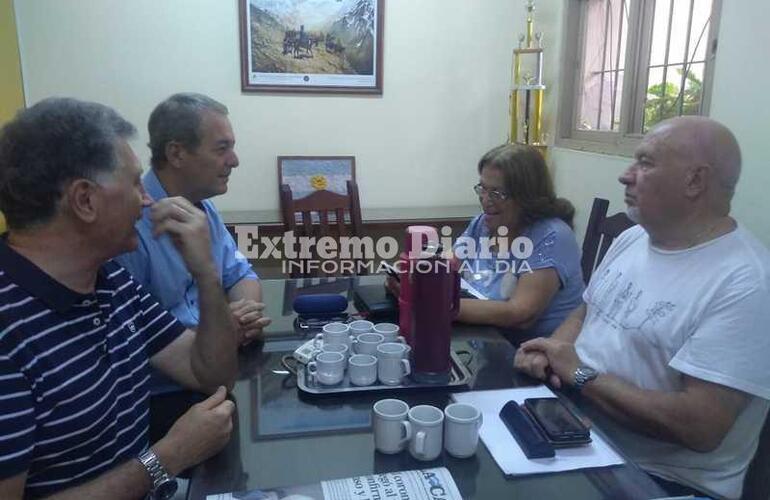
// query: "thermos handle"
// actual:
[[456, 294]]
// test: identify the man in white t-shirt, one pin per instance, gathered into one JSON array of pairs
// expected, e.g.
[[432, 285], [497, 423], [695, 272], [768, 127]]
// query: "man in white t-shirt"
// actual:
[[672, 340]]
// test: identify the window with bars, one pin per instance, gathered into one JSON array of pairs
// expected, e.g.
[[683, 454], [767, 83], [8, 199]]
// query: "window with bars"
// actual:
[[631, 64]]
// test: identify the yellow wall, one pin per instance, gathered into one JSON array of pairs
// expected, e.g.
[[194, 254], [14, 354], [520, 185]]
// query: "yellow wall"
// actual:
[[11, 93]]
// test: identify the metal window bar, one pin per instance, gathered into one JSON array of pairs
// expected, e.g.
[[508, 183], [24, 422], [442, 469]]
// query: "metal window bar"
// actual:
[[686, 67], [604, 64], [636, 90], [668, 51], [707, 24], [653, 66], [617, 65]]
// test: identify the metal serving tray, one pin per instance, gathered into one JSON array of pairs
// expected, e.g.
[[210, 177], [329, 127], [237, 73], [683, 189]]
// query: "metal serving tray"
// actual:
[[460, 375]]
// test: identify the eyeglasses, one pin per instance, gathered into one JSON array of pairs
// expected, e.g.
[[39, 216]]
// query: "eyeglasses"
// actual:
[[492, 194]]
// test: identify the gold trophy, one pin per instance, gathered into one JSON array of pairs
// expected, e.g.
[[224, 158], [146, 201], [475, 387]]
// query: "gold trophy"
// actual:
[[526, 100]]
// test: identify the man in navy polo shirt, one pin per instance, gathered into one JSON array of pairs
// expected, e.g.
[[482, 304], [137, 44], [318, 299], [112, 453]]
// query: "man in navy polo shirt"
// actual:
[[78, 335]]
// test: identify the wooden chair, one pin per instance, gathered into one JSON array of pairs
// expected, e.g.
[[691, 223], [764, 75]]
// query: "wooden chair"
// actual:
[[322, 213], [600, 232], [756, 484]]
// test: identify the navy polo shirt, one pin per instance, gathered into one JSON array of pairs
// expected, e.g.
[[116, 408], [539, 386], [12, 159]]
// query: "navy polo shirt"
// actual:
[[73, 373]]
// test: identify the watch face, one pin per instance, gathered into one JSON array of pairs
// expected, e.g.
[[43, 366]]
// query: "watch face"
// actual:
[[166, 489]]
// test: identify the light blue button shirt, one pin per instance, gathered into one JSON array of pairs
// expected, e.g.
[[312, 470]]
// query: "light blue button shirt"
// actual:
[[159, 267], [553, 246]]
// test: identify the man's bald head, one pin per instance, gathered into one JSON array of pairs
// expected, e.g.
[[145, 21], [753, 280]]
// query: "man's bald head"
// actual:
[[703, 141]]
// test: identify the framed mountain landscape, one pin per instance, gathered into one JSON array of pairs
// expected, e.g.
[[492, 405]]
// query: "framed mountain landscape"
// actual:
[[311, 46]]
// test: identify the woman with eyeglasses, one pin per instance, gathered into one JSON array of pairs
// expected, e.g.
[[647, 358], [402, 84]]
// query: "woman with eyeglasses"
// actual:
[[531, 272]]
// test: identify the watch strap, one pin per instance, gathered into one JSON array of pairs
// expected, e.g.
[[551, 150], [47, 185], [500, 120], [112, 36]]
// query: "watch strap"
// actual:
[[158, 474], [583, 375]]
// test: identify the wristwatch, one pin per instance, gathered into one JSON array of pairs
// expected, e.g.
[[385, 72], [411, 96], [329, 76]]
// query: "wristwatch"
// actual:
[[163, 485], [583, 375]]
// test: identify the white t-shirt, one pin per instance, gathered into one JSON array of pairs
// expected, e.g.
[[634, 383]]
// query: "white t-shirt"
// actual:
[[705, 312]]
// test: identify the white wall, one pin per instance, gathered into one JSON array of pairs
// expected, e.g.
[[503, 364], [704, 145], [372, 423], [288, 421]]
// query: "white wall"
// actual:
[[446, 79], [740, 100]]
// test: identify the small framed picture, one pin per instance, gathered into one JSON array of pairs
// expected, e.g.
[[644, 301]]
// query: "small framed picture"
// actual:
[[311, 46], [306, 174]]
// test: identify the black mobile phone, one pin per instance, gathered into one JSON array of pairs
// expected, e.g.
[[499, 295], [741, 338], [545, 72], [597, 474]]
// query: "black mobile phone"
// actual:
[[560, 425]]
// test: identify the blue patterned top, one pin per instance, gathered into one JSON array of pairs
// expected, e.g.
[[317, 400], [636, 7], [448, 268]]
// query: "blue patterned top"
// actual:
[[553, 245]]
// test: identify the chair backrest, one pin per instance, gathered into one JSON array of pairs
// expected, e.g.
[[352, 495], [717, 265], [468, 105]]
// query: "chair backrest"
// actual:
[[756, 484], [600, 232], [322, 213]]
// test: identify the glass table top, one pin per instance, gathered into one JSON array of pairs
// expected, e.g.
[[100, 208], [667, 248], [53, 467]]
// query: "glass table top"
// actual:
[[284, 437]]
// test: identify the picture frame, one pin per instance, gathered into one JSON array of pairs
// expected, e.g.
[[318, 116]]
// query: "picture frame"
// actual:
[[318, 46], [306, 174]]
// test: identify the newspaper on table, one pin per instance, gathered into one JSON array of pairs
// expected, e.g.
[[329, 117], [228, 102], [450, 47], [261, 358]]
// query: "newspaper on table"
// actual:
[[425, 484]]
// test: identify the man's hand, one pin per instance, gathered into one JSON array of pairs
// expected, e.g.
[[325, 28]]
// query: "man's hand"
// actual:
[[188, 228], [533, 363], [561, 357], [249, 319], [198, 434]]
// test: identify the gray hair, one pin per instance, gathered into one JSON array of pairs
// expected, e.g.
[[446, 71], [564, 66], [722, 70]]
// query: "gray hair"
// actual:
[[54, 142], [178, 118]]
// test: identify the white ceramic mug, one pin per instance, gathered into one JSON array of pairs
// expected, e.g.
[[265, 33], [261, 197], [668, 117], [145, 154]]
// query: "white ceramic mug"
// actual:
[[340, 348], [366, 343], [327, 368], [360, 326], [390, 331], [461, 429], [427, 430], [391, 429], [391, 365], [333, 333], [362, 369]]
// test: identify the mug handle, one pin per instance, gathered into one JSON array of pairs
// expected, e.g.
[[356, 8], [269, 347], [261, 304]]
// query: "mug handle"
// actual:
[[407, 367], [419, 442], [400, 340], [312, 369], [318, 341], [407, 431]]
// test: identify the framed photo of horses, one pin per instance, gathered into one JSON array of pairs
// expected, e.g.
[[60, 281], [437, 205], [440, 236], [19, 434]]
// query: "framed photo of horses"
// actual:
[[320, 46]]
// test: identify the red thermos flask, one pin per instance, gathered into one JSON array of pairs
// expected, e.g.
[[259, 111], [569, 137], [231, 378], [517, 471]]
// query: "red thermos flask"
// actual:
[[428, 303]]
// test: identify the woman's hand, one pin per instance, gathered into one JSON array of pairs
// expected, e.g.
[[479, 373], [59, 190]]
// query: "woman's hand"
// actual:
[[393, 286]]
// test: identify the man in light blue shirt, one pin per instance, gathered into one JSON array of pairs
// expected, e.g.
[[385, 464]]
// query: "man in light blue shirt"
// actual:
[[192, 156]]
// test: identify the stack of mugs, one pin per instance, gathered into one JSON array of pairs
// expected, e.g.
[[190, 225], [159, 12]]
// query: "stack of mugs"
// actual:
[[369, 352], [425, 429]]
